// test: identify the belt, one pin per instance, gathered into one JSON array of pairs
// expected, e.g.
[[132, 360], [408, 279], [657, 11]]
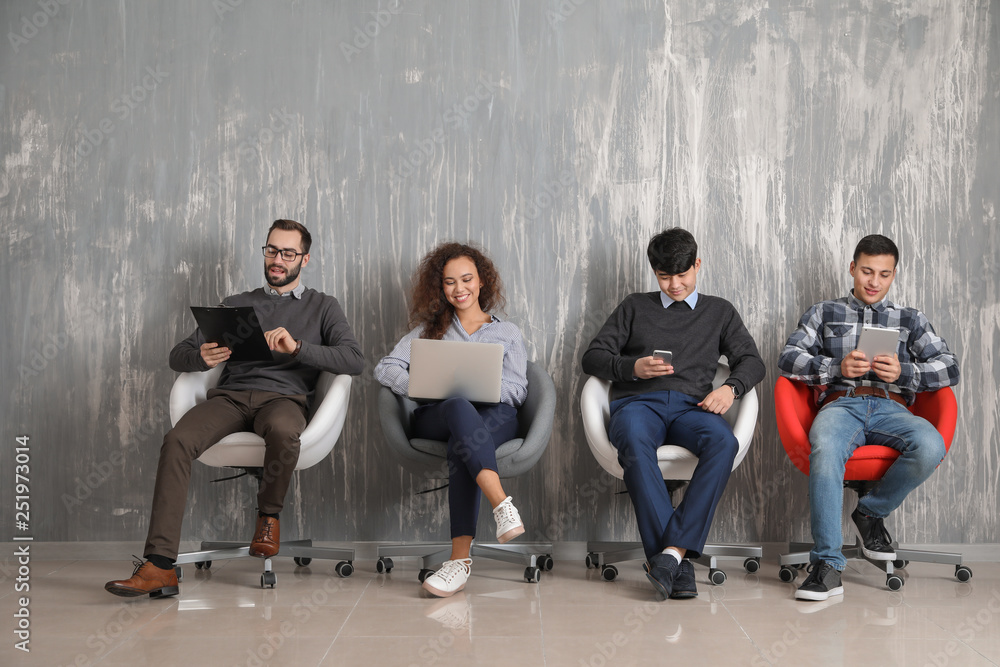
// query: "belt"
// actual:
[[865, 391]]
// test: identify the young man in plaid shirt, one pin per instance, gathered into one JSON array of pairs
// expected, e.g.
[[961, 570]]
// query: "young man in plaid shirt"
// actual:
[[864, 403]]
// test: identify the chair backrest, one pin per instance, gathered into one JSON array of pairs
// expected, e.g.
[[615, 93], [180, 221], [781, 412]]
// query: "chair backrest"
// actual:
[[426, 458], [327, 415], [676, 463], [795, 409]]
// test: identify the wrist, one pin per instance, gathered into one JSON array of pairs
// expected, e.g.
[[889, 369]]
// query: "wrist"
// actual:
[[298, 346]]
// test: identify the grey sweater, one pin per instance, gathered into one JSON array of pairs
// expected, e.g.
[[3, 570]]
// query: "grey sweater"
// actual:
[[316, 319], [640, 324]]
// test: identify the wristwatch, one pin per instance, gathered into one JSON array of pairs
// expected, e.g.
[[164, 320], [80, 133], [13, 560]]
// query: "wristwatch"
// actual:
[[736, 392]]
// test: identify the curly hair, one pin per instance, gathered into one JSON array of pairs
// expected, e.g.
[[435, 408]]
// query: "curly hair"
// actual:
[[430, 308]]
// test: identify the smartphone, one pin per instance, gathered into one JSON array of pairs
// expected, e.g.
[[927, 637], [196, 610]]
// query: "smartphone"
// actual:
[[666, 356]]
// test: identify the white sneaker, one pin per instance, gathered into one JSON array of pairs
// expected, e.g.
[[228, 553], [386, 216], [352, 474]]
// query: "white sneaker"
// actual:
[[508, 521], [450, 578]]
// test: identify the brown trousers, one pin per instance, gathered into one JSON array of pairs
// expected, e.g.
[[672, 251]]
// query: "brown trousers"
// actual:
[[277, 418]]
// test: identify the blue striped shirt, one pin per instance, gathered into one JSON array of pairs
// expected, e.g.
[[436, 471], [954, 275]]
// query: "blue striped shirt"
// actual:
[[830, 330], [393, 370]]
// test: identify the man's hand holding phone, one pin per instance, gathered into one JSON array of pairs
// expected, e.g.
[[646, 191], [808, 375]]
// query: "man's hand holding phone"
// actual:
[[656, 365]]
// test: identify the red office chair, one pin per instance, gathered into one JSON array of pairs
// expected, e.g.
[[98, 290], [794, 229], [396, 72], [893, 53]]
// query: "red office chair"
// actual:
[[795, 408]]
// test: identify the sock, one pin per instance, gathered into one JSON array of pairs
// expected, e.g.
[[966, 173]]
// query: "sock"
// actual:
[[273, 516], [161, 562], [673, 552]]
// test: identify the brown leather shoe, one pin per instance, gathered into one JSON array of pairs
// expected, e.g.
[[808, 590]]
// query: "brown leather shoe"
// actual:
[[146, 578], [266, 538]]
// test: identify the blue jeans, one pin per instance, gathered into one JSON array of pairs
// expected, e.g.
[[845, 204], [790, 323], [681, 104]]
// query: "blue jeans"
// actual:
[[642, 424], [473, 433], [841, 427]]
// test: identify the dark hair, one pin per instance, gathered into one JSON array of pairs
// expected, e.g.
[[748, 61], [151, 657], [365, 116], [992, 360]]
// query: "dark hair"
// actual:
[[292, 226], [876, 244], [430, 308], [672, 251]]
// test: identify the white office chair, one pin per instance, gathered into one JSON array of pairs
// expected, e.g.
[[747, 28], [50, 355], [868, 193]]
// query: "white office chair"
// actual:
[[677, 465], [327, 413]]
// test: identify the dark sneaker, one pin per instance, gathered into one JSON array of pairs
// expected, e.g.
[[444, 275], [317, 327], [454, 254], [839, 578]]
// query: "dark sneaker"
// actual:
[[662, 570], [875, 540], [684, 586], [822, 582]]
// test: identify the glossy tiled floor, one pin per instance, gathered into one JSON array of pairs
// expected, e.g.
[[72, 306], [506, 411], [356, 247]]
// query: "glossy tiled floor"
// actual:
[[572, 617]]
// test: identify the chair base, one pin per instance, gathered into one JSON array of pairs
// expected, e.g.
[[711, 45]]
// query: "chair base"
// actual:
[[602, 555], [535, 556], [799, 558], [301, 550]]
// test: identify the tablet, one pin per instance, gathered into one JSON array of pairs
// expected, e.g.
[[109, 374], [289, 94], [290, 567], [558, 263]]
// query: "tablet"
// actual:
[[878, 340], [236, 328]]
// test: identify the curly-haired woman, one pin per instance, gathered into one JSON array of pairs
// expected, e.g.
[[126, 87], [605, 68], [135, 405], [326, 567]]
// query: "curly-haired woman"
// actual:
[[455, 288]]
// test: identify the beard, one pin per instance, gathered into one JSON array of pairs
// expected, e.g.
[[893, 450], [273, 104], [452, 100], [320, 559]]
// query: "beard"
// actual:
[[291, 273]]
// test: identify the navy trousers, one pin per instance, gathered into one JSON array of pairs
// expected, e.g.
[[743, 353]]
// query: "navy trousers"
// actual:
[[473, 434], [639, 426]]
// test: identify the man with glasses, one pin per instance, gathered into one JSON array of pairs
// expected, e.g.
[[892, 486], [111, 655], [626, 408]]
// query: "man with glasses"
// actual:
[[307, 333]]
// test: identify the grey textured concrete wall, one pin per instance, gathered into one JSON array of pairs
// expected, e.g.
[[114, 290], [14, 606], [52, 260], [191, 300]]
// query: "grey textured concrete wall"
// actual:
[[145, 147]]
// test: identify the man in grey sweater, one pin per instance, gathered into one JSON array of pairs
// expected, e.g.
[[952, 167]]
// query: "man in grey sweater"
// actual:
[[654, 402], [307, 333]]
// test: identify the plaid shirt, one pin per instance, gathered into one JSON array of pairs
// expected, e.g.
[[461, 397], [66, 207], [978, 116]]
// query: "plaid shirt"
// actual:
[[830, 330]]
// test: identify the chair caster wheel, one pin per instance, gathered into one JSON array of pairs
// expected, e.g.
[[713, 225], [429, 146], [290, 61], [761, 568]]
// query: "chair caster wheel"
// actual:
[[894, 582], [592, 561], [609, 572], [179, 571], [963, 573], [532, 574], [345, 568], [384, 565], [751, 565], [203, 564], [900, 564], [787, 574], [302, 561], [268, 580], [717, 577], [545, 563], [423, 574]]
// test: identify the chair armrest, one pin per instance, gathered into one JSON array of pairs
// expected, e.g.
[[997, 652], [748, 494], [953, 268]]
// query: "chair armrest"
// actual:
[[745, 424], [596, 412], [792, 405], [190, 389], [330, 403]]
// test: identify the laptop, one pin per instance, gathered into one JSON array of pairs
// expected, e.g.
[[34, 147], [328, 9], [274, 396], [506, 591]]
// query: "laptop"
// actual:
[[441, 369]]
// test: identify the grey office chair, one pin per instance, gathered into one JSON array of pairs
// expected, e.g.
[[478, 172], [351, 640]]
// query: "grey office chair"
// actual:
[[245, 450], [677, 465], [428, 460]]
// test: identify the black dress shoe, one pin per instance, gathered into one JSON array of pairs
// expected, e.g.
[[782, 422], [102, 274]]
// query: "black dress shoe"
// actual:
[[684, 585], [875, 540], [662, 569]]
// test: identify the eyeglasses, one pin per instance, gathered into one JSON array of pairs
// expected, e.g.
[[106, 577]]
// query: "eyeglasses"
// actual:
[[288, 255]]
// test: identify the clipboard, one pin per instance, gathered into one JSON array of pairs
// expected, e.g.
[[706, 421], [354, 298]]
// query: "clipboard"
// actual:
[[236, 328]]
